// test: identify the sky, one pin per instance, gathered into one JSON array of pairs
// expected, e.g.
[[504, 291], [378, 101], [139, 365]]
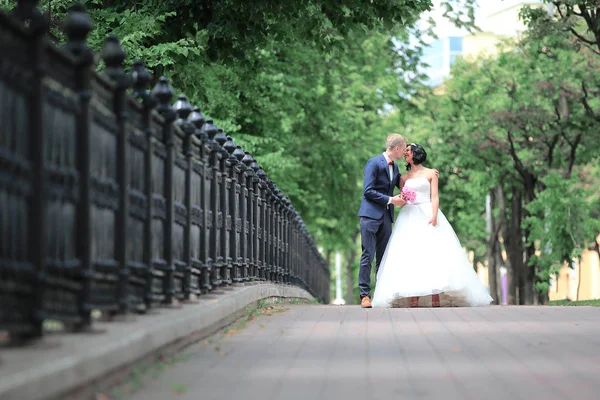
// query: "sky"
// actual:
[[486, 7], [490, 6]]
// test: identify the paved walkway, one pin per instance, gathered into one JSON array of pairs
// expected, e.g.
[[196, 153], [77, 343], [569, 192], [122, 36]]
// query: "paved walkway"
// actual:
[[59, 363], [329, 352]]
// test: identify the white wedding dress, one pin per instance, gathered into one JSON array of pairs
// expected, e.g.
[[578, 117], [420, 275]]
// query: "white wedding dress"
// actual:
[[422, 260]]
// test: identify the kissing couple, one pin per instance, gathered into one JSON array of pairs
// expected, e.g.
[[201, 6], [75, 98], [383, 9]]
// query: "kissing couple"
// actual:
[[420, 261]]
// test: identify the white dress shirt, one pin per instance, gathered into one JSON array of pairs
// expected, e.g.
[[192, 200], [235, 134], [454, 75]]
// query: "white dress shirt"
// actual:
[[390, 167], [391, 172]]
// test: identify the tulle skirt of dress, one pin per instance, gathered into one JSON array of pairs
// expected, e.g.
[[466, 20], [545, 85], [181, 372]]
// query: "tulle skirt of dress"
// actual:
[[422, 260]]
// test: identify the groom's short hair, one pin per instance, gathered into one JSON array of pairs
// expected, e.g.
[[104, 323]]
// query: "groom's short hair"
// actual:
[[393, 140]]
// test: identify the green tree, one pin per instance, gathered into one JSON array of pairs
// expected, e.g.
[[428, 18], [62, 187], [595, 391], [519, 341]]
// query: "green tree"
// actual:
[[504, 126], [567, 227]]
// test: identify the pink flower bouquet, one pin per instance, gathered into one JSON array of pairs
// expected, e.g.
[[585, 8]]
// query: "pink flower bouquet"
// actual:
[[409, 194]]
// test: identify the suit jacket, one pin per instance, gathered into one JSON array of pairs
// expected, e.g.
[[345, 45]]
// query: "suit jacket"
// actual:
[[378, 188]]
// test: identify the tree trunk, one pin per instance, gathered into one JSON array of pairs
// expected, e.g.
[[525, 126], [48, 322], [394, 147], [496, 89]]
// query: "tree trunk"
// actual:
[[492, 250], [328, 254], [350, 260], [529, 271], [597, 245], [512, 271], [499, 262], [578, 277], [543, 298], [350, 281], [514, 245], [530, 276]]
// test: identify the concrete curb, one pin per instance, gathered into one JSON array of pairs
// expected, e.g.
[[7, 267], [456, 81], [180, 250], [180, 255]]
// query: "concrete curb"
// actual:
[[60, 365]]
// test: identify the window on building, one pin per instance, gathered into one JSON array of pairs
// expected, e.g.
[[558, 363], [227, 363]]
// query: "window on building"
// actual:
[[435, 47], [435, 62], [456, 43]]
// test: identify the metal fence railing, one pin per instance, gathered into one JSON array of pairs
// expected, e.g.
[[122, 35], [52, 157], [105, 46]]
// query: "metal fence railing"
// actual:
[[112, 198]]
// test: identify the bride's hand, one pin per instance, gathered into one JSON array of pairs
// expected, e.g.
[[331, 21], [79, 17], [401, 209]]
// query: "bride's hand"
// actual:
[[433, 221], [398, 201]]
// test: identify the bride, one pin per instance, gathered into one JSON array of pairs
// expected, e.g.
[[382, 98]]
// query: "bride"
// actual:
[[424, 263]]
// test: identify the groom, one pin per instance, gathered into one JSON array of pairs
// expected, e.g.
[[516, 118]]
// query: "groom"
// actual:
[[377, 210]]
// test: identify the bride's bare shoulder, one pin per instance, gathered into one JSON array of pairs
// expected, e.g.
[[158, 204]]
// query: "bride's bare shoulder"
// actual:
[[430, 173]]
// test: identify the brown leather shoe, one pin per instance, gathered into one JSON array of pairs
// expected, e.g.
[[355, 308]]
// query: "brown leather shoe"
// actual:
[[414, 301], [365, 302], [435, 300]]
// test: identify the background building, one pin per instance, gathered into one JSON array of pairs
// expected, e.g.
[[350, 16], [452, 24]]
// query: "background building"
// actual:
[[443, 50], [440, 56], [497, 19]]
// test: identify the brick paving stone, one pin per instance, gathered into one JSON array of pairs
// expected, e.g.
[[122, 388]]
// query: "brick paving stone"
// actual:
[[345, 352]]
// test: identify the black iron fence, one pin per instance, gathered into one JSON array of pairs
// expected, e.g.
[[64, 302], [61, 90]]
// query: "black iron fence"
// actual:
[[114, 199]]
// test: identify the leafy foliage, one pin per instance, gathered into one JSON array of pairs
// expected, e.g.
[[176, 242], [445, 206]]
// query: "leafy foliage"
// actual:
[[525, 121], [566, 229]]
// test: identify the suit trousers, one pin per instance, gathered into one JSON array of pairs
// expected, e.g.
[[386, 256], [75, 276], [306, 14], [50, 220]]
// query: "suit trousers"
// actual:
[[375, 234]]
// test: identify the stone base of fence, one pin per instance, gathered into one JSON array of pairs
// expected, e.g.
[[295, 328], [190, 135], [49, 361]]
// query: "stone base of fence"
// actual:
[[70, 365]]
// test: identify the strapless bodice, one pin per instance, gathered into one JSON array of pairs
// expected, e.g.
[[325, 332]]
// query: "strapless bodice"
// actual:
[[421, 187]]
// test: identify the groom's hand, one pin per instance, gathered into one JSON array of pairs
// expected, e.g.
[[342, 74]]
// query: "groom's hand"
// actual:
[[398, 201], [436, 172]]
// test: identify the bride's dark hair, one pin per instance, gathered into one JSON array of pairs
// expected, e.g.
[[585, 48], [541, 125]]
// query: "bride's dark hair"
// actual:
[[418, 153]]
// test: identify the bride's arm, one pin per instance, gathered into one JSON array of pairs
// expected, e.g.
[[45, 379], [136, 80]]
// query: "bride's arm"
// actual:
[[401, 182], [435, 200]]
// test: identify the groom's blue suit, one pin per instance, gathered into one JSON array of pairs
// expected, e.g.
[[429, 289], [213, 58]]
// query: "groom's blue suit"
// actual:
[[376, 216]]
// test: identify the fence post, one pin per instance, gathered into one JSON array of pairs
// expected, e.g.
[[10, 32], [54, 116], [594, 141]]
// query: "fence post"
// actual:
[[198, 121], [163, 92], [210, 201], [240, 217], [286, 239], [291, 213], [261, 223], [275, 235], [306, 259], [223, 209], [253, 183], [295, 247], [27, 11], [233, 224], [301, 254], [248, 218], [279, 233], [77, 27], [183, 109], [230, 164], [267, 227], [290, 255], [113, 56], [141, 79], [270, 224], [258, 219], [294, 244], [274, 231]]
